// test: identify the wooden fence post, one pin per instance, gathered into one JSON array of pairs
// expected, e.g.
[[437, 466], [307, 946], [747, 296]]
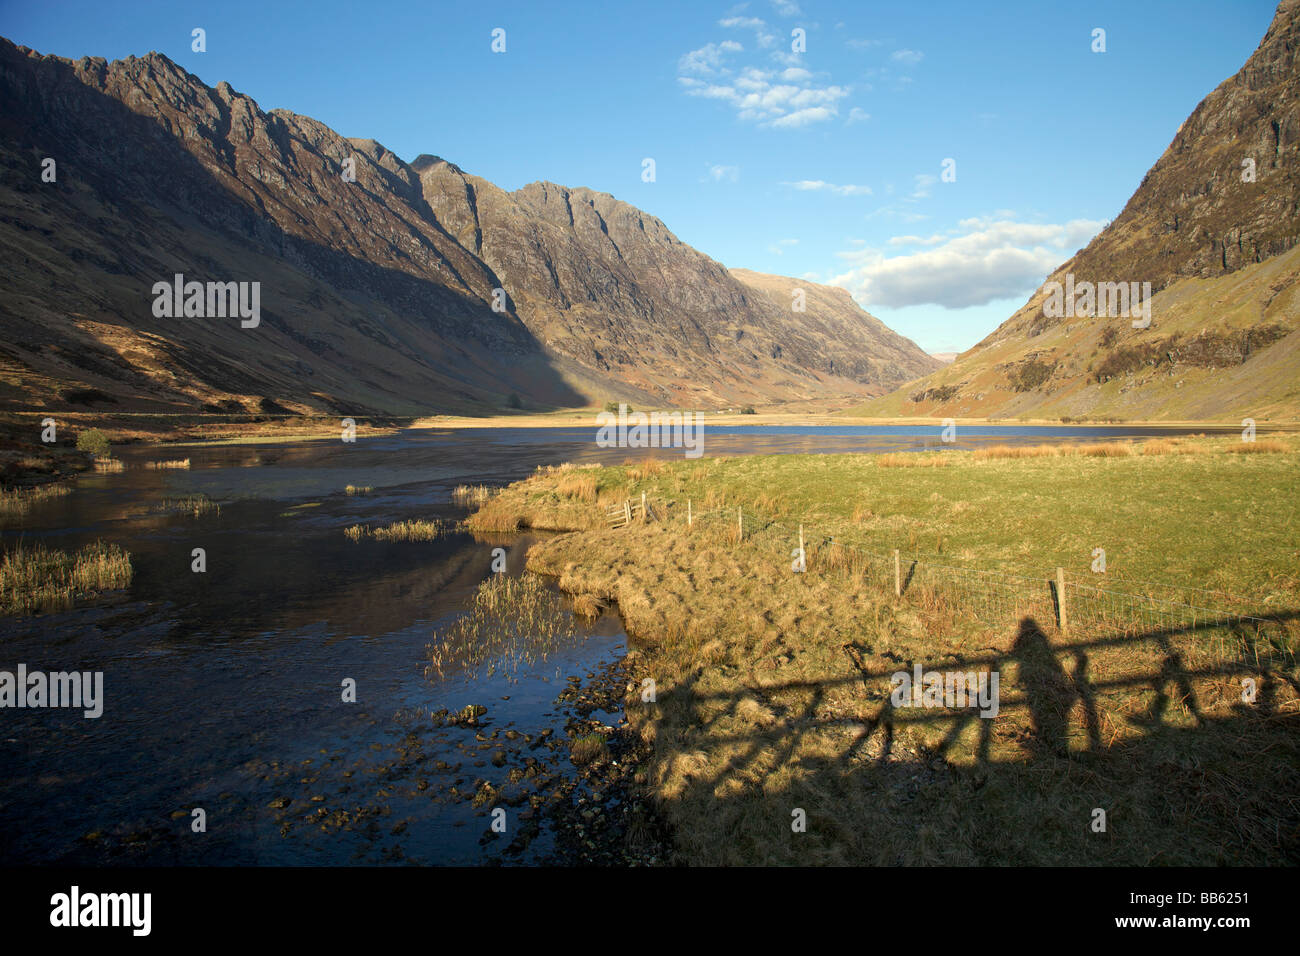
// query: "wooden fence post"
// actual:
[[740, 524], [643, 517], [688, 512], [627, 512], [1062, 620], [802, 556], [898, 576]]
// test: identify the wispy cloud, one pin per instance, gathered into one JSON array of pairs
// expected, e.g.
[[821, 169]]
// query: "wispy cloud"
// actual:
[[777, 247], [809, 185], [718, 173], [907, 57]]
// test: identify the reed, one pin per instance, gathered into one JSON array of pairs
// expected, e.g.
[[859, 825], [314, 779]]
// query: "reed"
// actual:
[[36, 578]]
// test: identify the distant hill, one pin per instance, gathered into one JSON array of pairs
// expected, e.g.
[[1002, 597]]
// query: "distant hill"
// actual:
[[1217, 247], [376, 294]]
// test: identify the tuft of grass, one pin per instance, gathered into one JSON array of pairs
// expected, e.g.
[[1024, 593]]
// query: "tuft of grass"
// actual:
[[420, 529], [36, 578], [579, 486], [1017, 451], [1109, 449], [173, 463], [511, 623], [109, 465], [195, 505], [587, 606], [588, 749], [15, 502], [470, 495], [358, 489]]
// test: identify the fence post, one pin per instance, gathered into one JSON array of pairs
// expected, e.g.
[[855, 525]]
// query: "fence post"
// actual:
[[898, 576], [802, 556], [1061, 620], [688, 512], [643, 517], [627, 512], [740, 524]]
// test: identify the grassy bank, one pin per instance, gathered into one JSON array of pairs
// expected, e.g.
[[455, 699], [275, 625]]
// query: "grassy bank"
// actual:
[[773, 687]]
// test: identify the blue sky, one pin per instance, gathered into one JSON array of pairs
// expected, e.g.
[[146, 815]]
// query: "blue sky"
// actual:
[[824, 164]]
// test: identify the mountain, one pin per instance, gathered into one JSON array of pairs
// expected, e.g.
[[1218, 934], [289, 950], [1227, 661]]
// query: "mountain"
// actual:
[[377, 293], [1219, 249], [611, 292]]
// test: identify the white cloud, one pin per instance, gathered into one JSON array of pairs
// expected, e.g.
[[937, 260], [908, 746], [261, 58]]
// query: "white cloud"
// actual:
[[786, 8], [909, 57], [982, 261], [719, 173], [776, 248], [858, 115], [708, 58], [807, 185], [780, 97]]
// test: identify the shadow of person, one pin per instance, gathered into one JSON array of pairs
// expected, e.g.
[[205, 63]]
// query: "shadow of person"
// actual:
[[1048, 689]]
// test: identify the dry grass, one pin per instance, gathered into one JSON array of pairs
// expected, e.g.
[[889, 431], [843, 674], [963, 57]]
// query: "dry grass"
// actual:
[[36, 578], [1262, 446], [166, 464], [195, 505], [511, 623], [587, 606], [905, 459], [1160, 446], [358, 489], [1109, 449], [644, 468], [15, 502], [429, 529], [588, 749], [1017, 451], [109, 465], [471, 495], [579, 486]]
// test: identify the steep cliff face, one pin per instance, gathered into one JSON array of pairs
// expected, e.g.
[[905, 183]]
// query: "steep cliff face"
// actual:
[[378, 278], [1213, 227], [366, 303], [612, 290]]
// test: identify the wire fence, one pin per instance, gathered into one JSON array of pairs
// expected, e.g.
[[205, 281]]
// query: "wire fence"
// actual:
[[1101, 604]]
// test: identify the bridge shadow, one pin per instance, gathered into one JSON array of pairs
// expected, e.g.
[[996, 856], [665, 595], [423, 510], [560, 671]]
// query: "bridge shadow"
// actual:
[[1185, 774]]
